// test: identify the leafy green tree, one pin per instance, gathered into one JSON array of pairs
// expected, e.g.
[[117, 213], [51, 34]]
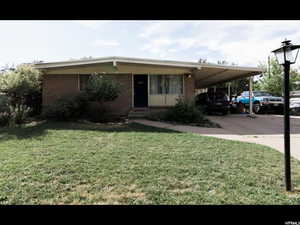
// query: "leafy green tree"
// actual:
[[102, 89], [19, 83], [272, 77], [239, 85]]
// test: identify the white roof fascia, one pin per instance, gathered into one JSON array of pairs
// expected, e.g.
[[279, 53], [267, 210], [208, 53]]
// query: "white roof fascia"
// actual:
[[161, 63], [64, 64], [114, 60], [242, 68]]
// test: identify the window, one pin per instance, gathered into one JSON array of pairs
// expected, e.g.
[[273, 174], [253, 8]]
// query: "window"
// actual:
[[82, 80], [166, 84], [157, 85]]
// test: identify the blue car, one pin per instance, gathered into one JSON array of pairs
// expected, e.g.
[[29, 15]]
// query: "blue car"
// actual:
[[262, 101]]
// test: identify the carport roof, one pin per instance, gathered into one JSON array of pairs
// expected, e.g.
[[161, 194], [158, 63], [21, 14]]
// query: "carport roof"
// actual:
[[212, 75], [206, 74]]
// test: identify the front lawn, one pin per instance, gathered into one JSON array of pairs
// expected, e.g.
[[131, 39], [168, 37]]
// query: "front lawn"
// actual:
[[79, 163]]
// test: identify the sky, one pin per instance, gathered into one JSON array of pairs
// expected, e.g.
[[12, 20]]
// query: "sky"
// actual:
[[245, 43]]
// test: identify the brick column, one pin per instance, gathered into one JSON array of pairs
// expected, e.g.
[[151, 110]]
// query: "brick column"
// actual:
[[189, 87]]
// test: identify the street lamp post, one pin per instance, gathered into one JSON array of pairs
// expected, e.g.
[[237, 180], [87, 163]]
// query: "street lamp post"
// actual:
[[285, 57]]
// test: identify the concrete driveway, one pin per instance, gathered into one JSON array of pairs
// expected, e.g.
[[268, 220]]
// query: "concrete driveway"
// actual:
[[264, 129]]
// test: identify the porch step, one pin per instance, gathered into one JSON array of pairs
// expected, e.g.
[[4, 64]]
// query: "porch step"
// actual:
[[140, 109], [138, 113]]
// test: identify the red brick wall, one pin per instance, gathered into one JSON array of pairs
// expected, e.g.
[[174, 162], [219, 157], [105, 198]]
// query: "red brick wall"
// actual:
[[55, 86], [189, 87]]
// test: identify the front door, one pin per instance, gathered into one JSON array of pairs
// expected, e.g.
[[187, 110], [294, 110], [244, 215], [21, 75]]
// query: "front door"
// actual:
[[140, 90]]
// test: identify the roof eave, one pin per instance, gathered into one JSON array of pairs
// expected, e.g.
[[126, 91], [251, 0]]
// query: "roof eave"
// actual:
[[80, 63], [115, 60]]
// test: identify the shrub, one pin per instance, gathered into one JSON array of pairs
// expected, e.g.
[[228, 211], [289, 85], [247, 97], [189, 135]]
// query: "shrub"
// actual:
[[5, 118], [102, 89], [4, 103], [96, 112], [19, 113], [22, 86], [67, 108], [184, 112], [34, 101], [14, 115], [18, 83]]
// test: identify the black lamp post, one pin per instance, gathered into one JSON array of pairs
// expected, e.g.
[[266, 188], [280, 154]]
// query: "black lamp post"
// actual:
[[285, 57]]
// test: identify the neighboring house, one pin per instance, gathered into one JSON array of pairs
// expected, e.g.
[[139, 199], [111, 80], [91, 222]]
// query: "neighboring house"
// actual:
[[145, 82]]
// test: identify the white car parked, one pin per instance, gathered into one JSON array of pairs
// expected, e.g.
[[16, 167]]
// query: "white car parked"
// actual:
[[295, 102]]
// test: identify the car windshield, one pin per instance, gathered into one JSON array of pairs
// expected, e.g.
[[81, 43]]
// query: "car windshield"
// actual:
[[261, 94], [256, 93]]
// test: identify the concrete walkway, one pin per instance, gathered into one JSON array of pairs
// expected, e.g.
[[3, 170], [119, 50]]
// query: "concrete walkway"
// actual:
[[264, 129]]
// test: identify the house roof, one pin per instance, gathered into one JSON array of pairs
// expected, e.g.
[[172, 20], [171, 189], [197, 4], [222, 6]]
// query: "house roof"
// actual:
[[116, 59], [207, 73]]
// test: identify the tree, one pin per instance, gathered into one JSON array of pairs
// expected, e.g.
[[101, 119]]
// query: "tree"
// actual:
[[22, 86], [102, 89], [271, 79], [19, 83], [239, 85]]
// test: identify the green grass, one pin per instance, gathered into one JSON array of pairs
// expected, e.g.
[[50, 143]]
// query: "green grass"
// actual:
[[77, 163]]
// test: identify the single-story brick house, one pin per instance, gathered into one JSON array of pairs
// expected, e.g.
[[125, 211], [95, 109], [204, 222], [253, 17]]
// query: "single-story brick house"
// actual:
[[146, 83]]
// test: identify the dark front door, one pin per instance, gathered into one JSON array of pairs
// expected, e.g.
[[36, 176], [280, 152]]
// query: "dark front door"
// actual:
[[140, 90]]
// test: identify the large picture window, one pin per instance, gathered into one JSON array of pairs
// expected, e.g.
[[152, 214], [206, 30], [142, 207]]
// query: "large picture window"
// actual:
[[166, 84]]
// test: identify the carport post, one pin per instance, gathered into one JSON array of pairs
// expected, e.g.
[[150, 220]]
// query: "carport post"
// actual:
[[228, 89], [250, 96]]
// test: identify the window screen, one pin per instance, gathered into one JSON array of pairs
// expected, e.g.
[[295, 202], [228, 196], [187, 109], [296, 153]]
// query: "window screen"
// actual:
[[166, 84]]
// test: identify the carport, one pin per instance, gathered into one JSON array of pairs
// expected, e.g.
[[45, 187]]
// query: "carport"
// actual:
[[213, 74]]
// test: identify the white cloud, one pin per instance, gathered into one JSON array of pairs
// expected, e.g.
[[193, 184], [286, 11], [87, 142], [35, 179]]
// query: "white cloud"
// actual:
[[157, 45], [105, 43], [242, 42]]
